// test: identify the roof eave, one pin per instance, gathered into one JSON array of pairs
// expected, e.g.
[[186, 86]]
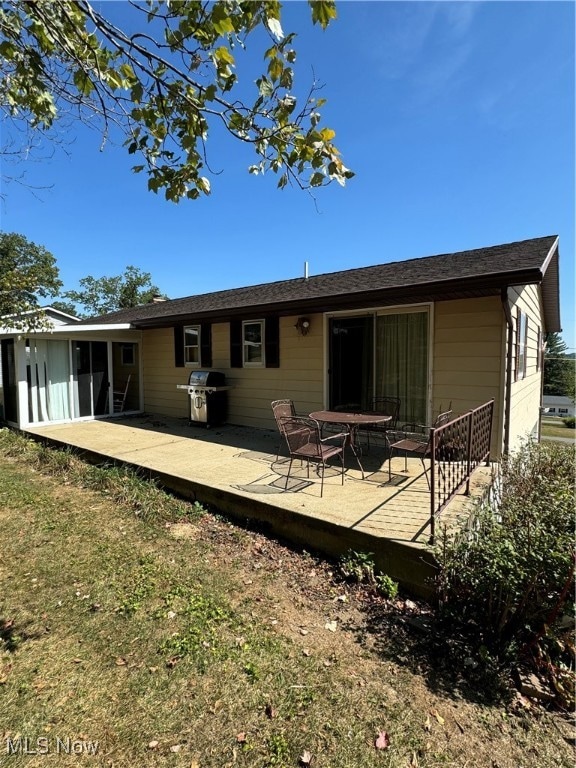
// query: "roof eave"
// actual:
[[434, 291]]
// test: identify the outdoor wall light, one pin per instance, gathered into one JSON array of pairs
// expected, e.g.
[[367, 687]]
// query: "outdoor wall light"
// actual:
[[302, 325]]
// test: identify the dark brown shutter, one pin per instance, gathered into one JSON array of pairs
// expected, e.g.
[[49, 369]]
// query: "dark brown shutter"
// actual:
[[206, 345], [179, 346], [236, 344], [272, 342]]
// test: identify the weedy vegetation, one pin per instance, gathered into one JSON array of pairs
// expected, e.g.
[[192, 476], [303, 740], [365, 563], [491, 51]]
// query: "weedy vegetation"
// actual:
[[508, 581]]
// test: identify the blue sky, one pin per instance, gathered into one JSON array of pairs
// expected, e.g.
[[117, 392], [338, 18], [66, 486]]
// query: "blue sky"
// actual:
[[457, 117]]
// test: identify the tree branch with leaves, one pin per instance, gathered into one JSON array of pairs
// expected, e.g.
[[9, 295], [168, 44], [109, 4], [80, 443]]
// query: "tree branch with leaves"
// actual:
[[165, 81]]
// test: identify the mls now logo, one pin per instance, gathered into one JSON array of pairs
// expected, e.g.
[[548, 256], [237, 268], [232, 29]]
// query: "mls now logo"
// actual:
[[44, 745]]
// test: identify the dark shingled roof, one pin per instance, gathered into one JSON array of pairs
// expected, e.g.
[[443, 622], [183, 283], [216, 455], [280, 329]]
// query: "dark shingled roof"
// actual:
[[479, 272]]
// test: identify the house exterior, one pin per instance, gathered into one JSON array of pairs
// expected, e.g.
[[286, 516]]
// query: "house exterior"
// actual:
[[558, 406], [446, 331], [52, 318]]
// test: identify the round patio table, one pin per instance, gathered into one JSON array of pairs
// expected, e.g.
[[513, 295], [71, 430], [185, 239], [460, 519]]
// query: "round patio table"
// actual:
[[352, 423]]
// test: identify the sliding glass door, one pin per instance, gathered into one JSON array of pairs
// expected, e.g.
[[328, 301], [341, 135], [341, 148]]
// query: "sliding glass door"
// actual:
[[351, 362], [90, 378], [48, 372], [401, 358], [384, 354]]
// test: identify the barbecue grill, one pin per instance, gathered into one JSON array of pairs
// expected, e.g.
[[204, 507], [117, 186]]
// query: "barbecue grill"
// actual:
[[208, 395]]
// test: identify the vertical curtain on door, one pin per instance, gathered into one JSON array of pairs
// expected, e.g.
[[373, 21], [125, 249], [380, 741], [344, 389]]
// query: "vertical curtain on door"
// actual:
[[58, 380], [402, 362], [49, 380]]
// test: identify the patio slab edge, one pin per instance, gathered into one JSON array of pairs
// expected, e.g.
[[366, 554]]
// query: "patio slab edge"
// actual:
[[411, 565]]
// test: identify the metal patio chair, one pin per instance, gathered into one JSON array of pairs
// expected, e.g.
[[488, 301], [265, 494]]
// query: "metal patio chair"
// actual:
[[388, 406], [282, 409], [306, 443], [417, 441]]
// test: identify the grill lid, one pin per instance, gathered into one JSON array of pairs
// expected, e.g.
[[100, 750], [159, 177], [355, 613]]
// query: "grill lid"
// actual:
[[206, 379]]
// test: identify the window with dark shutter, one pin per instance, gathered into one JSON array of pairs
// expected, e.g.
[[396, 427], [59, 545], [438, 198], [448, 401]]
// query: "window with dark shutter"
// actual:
[[206, 345], [246, 339], [179, 346], [236, 344], [272, 342]]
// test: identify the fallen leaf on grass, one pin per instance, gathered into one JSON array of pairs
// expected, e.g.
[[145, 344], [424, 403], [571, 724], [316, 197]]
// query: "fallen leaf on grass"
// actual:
[[428, 724], [270, 711], [120, 661], [413, 760], [241, 738], [305, 758], [382, 741], [153, 744], [6, 625], [176, 748], [4, 672], [434, 713], [332, 626]]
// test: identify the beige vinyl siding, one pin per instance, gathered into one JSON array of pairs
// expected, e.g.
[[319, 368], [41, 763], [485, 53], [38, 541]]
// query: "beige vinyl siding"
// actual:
[[526, 392], [161, 376], [467, 360], [299, 377]]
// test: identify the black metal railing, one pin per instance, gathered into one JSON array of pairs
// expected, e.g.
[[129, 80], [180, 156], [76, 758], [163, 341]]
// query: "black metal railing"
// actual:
[[456, 449]]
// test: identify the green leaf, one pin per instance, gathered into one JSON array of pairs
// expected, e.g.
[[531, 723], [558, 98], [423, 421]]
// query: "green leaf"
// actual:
[[323, 11], [221, 20], [327, 134], [275, 69], [83, 82], [223, 55]]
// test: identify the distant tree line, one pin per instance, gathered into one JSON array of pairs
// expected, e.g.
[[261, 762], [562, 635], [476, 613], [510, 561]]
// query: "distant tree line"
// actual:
[[559, 368]]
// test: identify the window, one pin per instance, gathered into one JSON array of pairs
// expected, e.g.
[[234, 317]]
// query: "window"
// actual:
[[521, 339], [551, 410], [128, 354], [562, 410], [253, 343], [192, 345]]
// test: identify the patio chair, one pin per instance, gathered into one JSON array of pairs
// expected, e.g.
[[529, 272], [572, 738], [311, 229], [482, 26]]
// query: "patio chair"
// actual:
[[282, 409], [306, 443], [417, 441], [389, 406], [119, 396]]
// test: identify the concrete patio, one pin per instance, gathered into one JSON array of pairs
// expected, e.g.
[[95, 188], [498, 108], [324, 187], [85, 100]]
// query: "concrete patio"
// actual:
[[235, 470]]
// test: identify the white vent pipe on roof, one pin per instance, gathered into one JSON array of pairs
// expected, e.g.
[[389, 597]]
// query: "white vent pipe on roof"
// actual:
[[306, 270]]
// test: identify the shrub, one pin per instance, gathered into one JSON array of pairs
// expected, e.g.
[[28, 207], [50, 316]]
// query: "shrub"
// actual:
[[511, 577], [570, 421]]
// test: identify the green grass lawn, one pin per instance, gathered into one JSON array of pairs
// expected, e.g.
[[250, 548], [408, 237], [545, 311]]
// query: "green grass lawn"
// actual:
[[144, 633], [557, 428]]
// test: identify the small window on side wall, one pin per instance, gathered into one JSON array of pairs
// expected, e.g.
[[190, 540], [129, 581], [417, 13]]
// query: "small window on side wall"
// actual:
[[521, 343], [192, 345], [128, 354], [253, 343]]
